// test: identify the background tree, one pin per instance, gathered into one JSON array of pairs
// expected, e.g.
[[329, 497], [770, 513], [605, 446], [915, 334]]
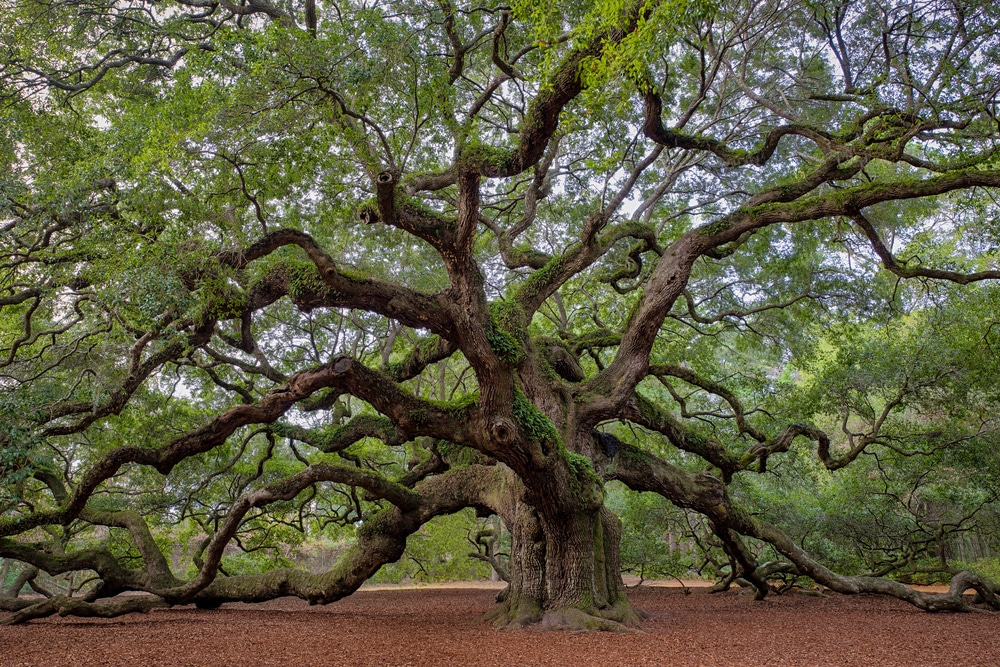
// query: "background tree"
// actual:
[[274, 270]]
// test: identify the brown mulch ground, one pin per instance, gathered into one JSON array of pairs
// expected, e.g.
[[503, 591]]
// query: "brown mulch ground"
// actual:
[[439, 626]]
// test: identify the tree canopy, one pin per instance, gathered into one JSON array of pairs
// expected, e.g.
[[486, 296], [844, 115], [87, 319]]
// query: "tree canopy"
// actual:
[[272, 271]]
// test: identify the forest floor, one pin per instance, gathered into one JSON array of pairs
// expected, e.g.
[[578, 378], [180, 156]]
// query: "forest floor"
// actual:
[[434, 625]]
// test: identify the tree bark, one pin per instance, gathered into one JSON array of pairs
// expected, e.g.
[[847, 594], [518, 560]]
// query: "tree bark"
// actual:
[[565, 565]]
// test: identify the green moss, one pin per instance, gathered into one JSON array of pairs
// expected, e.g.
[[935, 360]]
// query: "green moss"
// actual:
[[303, 278], [368, 211], [506, 331], [457, 455], [533, 421], [305, 281], [508, 315], [224, 306], [220, 299], [419, 209], [715, 228], [738, 156], [540, 279], [503, 345], [579, 464], [695, 439], [638, 456], [376, 524], [488, 159], [351, 274], [550, 374], [809, 207], [428, 347], [458, 404], [583, 478], [424, 350]]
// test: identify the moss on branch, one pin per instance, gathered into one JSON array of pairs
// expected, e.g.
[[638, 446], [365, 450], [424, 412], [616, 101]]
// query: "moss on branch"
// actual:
[[506, 331], [541, 280], [583, 478], [535, 424]]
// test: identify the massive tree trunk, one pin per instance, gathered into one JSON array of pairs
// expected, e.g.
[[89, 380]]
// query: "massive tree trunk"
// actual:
[[564, 560], [583, 581]]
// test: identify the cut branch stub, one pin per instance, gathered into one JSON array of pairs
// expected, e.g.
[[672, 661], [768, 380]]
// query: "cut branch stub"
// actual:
[[342, 365], [385, 187]]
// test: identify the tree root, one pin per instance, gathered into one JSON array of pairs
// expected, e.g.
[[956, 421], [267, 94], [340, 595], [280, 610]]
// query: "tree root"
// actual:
[[620, 617], [514, 613]]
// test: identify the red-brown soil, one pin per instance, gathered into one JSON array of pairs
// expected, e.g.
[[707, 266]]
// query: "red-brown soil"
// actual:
[[440, 626]]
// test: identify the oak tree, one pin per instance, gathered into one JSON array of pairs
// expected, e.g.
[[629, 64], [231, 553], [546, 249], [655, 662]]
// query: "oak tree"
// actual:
[[272, 266]]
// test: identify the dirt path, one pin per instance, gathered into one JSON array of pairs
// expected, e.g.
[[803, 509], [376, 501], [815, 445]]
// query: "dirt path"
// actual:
[[437, 626]]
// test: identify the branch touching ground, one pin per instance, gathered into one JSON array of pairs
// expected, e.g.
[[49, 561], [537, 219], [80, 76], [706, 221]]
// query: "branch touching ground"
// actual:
[[953, 600], [381, 540], [642, 471], [67, 606]]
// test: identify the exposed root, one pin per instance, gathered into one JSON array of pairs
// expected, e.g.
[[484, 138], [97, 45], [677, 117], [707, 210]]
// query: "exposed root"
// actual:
[[619, 617], [513, 613], [578, 620], [623, 612]]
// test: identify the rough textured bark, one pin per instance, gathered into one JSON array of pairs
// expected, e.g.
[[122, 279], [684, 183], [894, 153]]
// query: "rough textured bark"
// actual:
[[565, 570], [382, 540], [246, 271], [709, 496]]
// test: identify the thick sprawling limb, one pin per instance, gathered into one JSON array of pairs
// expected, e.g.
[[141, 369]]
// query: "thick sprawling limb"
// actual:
[[186, 288], [421, 417], [381, 540], [953, 600], [644, 472], [67, 606]]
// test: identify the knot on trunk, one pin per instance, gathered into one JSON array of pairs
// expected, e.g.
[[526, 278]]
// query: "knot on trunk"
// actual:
[[503, 430]]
